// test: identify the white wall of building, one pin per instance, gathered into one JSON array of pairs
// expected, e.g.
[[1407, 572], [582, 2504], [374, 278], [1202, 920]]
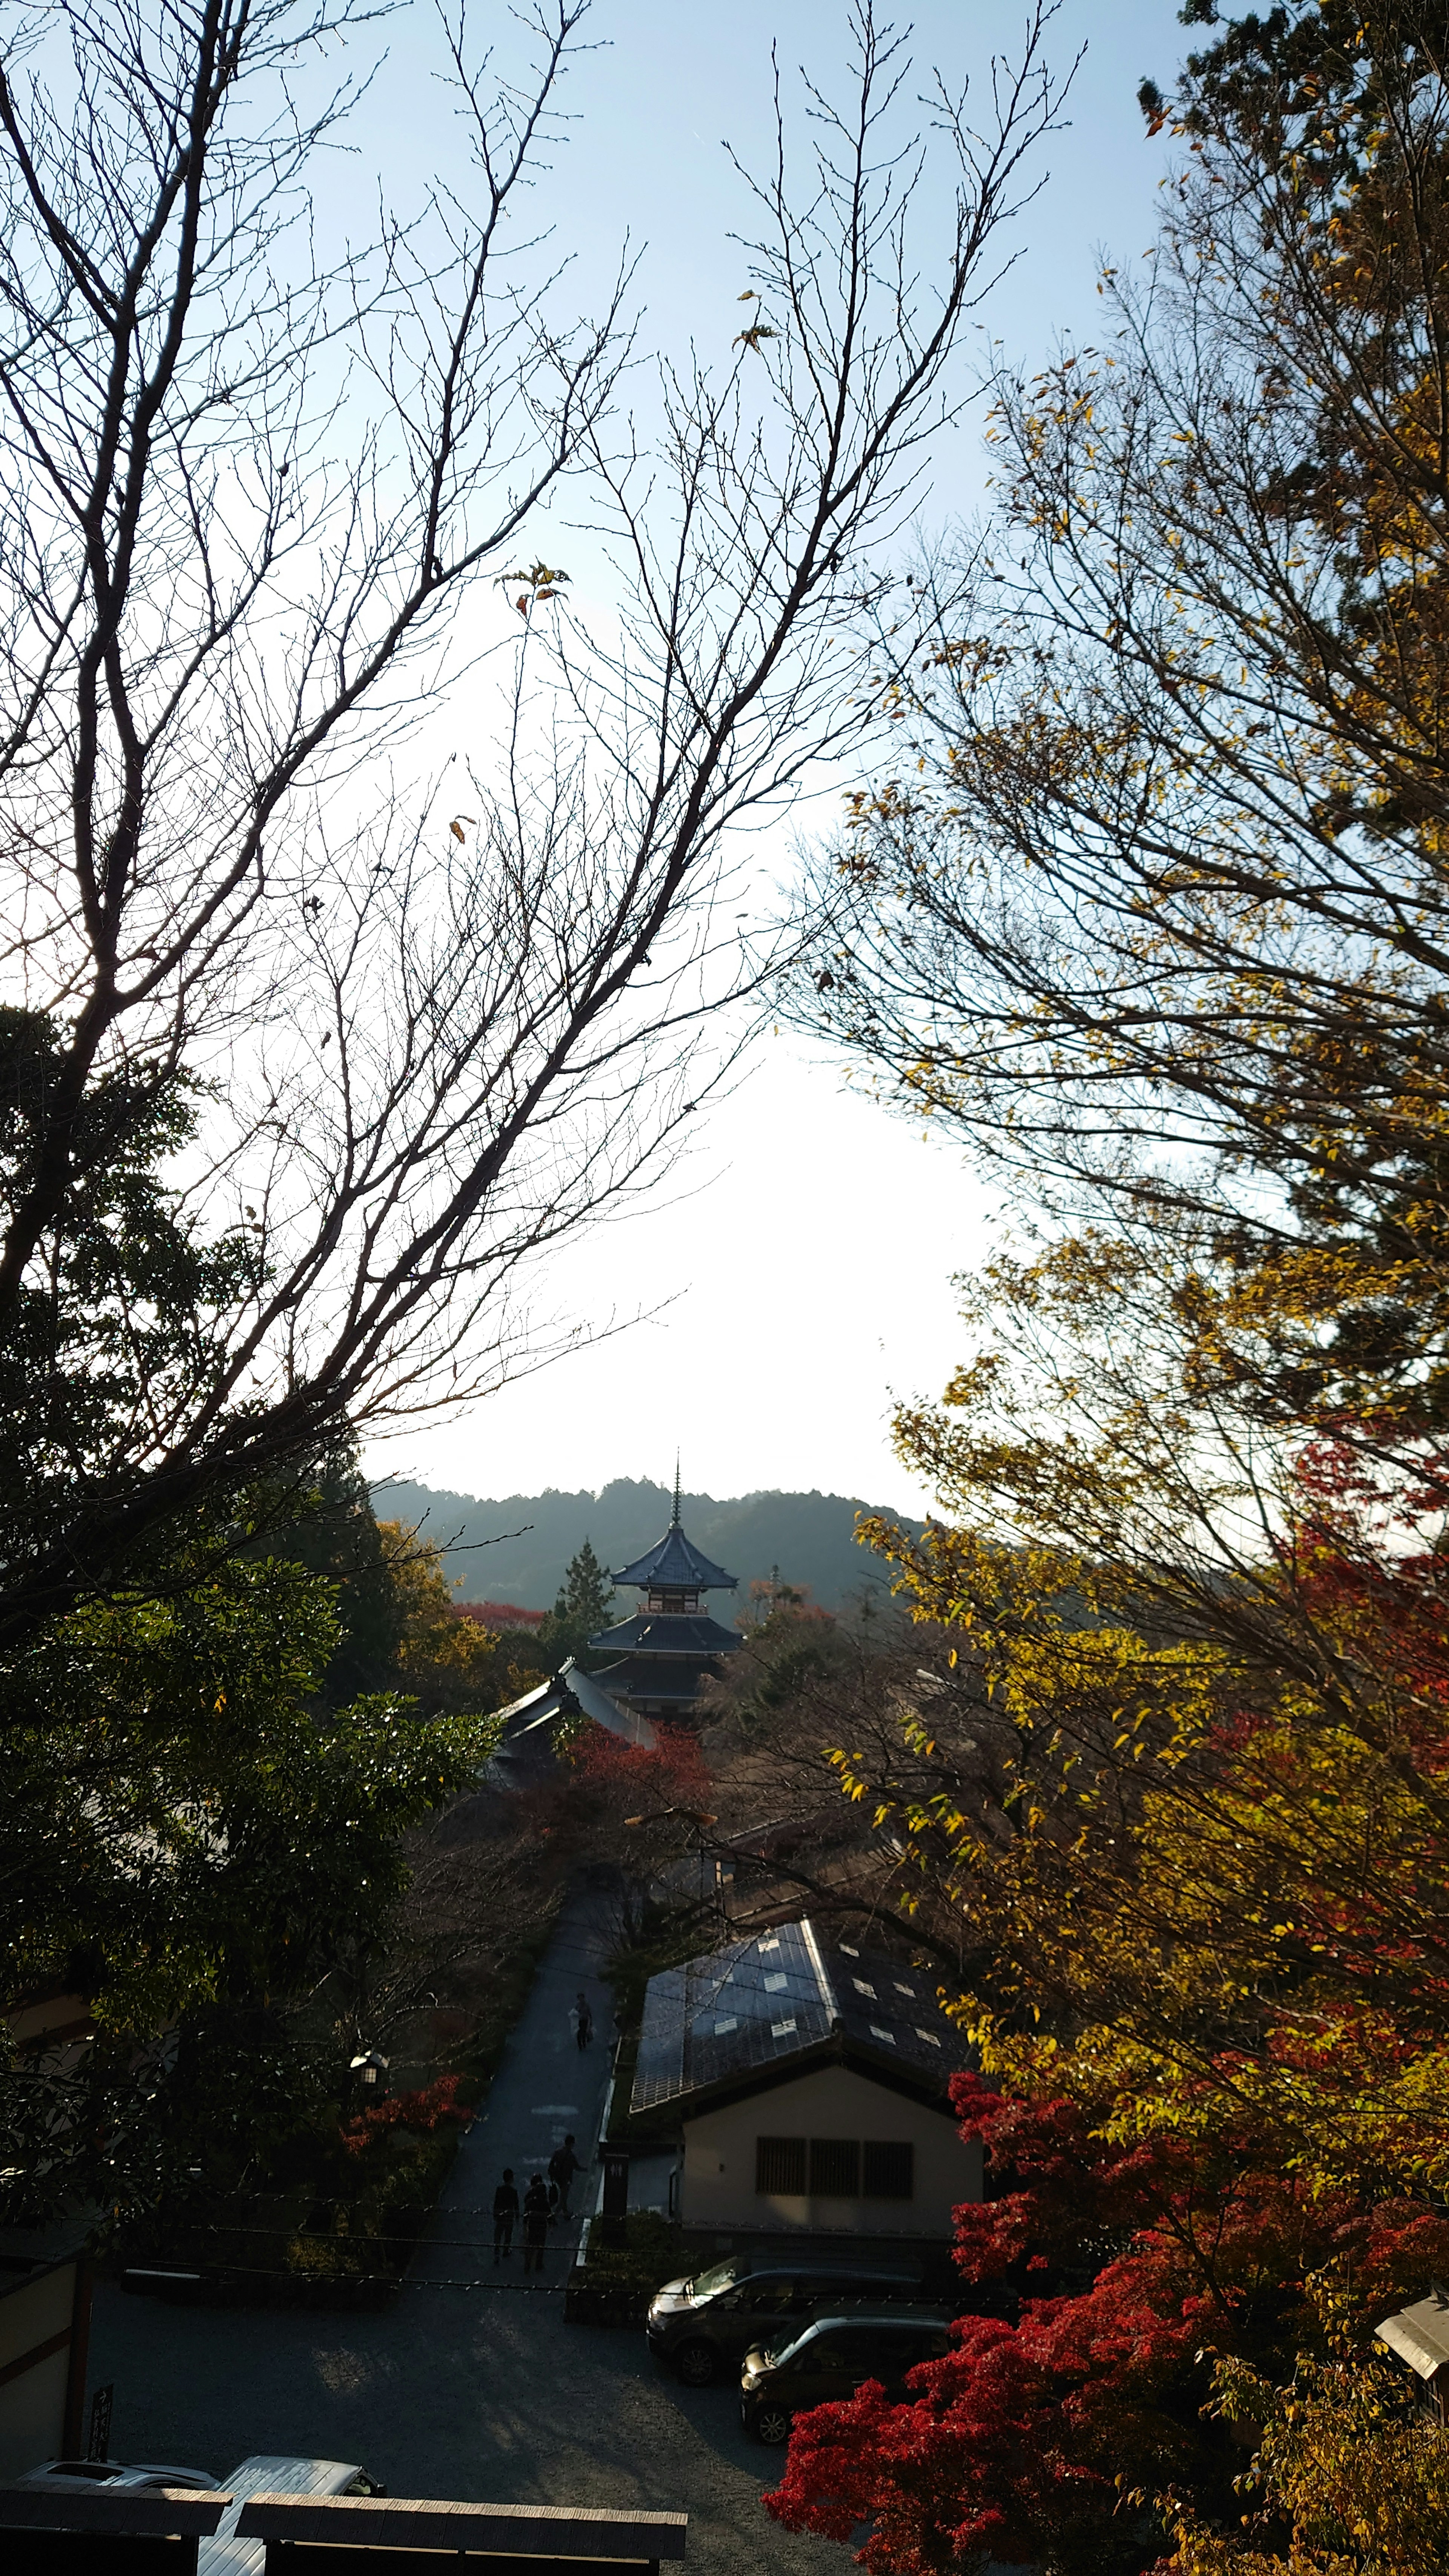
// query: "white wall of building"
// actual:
[[718, 2188]]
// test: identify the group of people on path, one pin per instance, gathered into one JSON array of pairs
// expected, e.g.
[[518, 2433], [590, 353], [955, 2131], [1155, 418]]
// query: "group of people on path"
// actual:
[[543, 2204], [545, 2201]]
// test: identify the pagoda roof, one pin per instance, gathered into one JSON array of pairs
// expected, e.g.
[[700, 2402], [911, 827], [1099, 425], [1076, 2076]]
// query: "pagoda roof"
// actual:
[[654, 1677], [676, 1563], [668, 1632]]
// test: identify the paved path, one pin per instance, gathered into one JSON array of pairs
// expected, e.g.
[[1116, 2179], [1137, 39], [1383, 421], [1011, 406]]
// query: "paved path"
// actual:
[[545, 2086], [482, 2394]]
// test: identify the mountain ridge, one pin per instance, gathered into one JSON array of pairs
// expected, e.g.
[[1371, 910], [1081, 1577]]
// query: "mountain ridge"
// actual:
[[515, 1547]]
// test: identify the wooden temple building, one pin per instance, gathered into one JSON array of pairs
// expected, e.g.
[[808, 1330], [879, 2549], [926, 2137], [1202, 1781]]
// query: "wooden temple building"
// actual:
[[671, 1641]]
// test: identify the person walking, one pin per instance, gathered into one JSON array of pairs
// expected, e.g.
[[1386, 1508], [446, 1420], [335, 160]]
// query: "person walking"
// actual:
[[583, 2020], [505, 2214], [563, 2164], [535, 2224]]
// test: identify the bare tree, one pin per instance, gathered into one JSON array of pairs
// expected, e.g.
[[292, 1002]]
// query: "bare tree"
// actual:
[[1154, 904], [249, 497], [809, 1707], [477, 1894]]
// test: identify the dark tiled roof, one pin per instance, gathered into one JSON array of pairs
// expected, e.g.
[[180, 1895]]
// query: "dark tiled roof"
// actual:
[[527, 1738], [674, 1677], [675, 1561], [762, 2002], [667, 1633]]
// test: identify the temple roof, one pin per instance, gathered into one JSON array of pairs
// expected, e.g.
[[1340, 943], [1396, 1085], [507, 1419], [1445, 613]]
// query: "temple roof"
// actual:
[[668, 1632], [653, 1677], [525, 1748], [676, 1563]]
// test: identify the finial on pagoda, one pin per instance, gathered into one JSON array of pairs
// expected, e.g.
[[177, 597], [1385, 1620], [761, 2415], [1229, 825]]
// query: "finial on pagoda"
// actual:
[[674, 1516]]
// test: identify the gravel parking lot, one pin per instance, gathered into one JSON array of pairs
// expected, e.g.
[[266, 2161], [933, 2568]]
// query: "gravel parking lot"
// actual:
[[480, 2392]]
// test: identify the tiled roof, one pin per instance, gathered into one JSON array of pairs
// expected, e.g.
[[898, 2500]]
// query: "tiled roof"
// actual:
[[675, 1561], [527, 1722], [1420, 2334], [761, 2002], [662, 1632], [653, 1677]]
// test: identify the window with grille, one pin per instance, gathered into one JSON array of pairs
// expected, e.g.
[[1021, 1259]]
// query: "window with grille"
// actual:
[[835, 2168], [780, 2164], [890, 2170]]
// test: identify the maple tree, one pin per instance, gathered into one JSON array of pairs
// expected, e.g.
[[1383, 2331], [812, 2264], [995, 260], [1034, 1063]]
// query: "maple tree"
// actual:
[[448, 1662], [1158, 919], [611, 1775], [1162, 2288], [424, 2110], [1190, 1800]]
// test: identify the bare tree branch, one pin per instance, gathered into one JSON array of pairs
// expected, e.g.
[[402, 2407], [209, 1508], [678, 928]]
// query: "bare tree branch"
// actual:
[[255, 502]]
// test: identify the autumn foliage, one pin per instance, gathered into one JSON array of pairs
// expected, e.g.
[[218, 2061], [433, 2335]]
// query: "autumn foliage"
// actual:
[[424, 2112], [1211, 1919], [1157, 913], [1047, 2433], [669, 1773]]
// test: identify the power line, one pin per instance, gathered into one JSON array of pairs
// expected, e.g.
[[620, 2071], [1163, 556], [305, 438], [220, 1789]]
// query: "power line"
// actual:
[[357, 2281], [311, 2239]]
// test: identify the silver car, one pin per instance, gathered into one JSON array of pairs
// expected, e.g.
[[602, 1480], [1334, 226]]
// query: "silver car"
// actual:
[[113, 2477], [272, 2473]]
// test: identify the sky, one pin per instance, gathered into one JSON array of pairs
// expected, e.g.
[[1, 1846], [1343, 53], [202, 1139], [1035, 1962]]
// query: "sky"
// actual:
[[792, 1280]]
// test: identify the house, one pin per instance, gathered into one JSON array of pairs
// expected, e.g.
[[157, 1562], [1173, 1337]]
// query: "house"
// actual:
[[808, 2076]]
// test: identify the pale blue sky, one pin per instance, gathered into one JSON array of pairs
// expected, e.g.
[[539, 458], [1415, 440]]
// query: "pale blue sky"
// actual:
[[802, 1261]]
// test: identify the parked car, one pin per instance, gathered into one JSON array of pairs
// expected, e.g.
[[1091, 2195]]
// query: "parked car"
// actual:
[[704, 2324], [831, 2359], [273, 2473], [80, 2477]]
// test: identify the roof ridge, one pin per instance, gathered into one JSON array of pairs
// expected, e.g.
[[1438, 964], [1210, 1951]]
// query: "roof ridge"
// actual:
[[674, 1562], [828, 1995]]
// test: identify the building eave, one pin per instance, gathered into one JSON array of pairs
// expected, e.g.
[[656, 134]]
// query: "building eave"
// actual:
[[836, 2050]]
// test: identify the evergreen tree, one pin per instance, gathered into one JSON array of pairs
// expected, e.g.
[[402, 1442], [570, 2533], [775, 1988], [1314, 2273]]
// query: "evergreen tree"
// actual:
[[585, 1601], [194, 1843], [327, 1524]]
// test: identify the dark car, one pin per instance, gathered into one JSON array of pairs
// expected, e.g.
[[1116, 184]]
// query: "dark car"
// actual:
[[831, 2359], [704, 2324]]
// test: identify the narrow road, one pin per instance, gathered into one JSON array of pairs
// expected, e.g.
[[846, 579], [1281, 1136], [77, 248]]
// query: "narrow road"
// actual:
[[478, 2392], [546, 2086]]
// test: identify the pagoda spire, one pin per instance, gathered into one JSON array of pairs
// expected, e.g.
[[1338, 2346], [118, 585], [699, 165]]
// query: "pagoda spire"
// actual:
[[674, 1515]]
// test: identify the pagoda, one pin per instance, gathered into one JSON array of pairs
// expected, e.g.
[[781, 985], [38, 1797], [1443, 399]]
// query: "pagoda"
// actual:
[[671, 1642]]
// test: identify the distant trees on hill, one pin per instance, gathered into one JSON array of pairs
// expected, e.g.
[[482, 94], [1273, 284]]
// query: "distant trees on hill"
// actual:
[[522, 1545]]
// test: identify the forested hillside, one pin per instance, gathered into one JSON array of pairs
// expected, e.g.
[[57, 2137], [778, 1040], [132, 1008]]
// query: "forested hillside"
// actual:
[[517, 1549]]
